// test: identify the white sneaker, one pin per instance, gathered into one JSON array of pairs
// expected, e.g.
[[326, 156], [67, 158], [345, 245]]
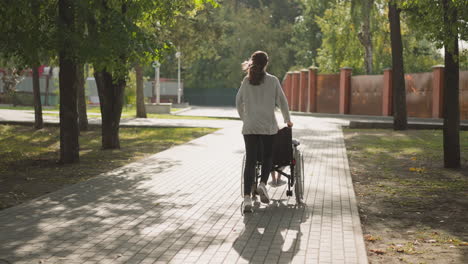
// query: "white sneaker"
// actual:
[[247, 204], [262, 191]]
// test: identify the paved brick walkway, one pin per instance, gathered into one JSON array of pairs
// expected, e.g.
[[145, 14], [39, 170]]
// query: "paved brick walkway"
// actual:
[[183, 206]]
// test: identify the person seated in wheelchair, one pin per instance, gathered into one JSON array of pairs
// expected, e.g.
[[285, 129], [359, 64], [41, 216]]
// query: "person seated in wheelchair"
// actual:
[[258, 95], [282, 154], [286, 155], [276, 178]]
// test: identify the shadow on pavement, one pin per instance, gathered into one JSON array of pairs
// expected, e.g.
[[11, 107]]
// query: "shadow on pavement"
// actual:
[[114, 216], [272, 232]]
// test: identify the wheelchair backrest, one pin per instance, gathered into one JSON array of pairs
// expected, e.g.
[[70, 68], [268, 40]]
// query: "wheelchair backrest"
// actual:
[[282, 147]]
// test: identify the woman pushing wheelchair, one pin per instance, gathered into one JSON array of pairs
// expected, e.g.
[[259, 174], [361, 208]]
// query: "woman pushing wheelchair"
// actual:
[[258, 95]]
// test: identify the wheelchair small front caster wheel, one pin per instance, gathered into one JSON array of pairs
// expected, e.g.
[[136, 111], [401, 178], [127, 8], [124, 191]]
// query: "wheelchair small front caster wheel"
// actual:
[[289, 193]]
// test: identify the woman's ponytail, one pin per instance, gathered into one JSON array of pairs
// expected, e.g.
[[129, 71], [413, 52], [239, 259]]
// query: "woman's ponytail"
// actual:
[[255, 67]]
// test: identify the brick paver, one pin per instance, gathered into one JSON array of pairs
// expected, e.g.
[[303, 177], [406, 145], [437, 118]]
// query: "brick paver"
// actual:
[[182, 205]]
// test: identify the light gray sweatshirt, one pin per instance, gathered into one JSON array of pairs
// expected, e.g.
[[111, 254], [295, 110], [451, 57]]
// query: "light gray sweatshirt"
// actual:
[[256, 106]]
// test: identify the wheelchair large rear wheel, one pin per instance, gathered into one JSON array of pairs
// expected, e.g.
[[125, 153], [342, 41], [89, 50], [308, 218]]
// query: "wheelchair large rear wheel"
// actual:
[[242, 176], [299, 176]]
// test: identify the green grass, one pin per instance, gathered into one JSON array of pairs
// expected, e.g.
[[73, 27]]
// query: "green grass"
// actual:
[[409, 159], [28, 158], [130, 112], [31, 108], [163, 116], [19, 144], [406, 196]]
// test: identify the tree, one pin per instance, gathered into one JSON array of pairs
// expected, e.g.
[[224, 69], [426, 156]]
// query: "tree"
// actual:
[[11, 76], [445, 22], [81, 97], [361, 12], [38, 121], [26, 40], [257, 25], [339, 50], [133, 31], [68, 80], [48, 76], [140, 96], [451, 83], [398, 76], [307, 35]]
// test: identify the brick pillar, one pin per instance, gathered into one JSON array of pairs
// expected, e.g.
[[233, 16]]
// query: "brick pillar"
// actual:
[[345, 89], [295, 91], [312, 90], [303, 91], [437, 91], [387, 93]]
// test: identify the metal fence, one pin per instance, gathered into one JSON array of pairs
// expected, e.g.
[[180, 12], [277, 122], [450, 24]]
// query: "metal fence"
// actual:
[[211, 96], [24, 90]]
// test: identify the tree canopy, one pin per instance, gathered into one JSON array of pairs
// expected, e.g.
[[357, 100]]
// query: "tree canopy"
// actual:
[[296, 34]]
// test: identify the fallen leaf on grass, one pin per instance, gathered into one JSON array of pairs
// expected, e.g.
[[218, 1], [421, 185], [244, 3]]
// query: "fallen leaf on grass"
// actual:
[[463, 244], [420, 170], [377, 251], [398, 248], [370, 238]]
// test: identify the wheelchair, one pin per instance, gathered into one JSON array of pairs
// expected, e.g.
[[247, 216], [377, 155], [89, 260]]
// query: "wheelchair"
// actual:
[[287, 157]]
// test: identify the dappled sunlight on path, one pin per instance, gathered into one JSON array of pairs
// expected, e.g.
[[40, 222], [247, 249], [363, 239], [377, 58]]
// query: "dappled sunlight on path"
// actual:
[[182, 205]]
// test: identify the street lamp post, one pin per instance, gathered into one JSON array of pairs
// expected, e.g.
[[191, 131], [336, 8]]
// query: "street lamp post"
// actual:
[[157, 85], [179, 88]]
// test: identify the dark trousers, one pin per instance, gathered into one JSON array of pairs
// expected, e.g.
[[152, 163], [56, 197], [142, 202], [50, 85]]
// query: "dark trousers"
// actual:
[[260, 146]]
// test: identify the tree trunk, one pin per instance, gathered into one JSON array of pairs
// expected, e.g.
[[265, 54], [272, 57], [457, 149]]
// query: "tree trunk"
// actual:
[[111, 95], [400, 121], [69, 144], [365, 35], [140, 96], [451, 89], [49, 75], [38, 122], [82, 116]]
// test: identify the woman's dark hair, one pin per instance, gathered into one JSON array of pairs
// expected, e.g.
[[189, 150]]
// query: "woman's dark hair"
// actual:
[[255, 67]]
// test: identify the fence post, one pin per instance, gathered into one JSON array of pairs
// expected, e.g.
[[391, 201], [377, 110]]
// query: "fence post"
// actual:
[[437, 91], [295, 91], [303, 91], [387, 93], [312, 90], [345, 89]]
